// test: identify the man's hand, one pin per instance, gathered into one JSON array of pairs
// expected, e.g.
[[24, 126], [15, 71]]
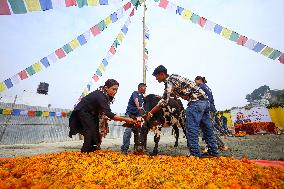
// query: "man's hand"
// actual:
[[148, 116]]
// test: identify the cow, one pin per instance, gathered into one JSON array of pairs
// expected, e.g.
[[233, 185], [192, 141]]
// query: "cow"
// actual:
[[173, 114]]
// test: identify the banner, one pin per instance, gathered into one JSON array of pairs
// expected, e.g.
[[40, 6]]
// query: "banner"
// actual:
[[255, 114], [62, 52], [227, 33], [33, 113]]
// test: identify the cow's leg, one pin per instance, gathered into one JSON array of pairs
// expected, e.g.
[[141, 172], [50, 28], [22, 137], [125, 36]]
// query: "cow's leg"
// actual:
[[176, 134], [143, 136], [157, 140]]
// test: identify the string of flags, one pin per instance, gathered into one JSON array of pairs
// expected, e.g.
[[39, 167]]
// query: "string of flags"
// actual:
[[111, 52], [60, 53], [8, 7], [227, 33], [146, 52], [32, 113]]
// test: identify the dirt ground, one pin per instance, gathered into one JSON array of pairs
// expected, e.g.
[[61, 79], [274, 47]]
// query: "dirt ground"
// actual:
[[266, 146]]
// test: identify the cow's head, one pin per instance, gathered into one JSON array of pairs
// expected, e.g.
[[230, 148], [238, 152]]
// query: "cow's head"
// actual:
[[150, 101]]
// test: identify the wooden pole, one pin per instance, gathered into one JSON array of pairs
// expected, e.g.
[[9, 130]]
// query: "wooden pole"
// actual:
[[144, 63]]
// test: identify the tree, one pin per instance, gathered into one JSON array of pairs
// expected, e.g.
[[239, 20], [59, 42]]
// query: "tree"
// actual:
[[258, 94]]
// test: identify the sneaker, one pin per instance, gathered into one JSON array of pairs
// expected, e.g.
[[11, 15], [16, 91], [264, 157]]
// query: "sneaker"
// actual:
[[207, 155]]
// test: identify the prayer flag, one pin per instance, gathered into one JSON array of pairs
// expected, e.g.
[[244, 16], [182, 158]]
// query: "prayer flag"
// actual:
[[36, 66], [95, 30], [281, 58], [258, 47], [267, 51], [218, 29], [67, 48], [38, 113], [74, 44], [209, 25], [124, 29], [45, 4], [132, 12], [30, 70], [82, 3], [275, 54], [99, 73], [58, 3], [16, 112], [93, 2], [234, 36], [60, 53], [33, 5], [15, 79], [103, 2], [242, 40], [119, 13], [24, 112], [250, 44], [18, 6], [102, 67], [112, 50], [171, 7], [2, 87], [226, 33], [31, 113], [108, 21], [81, 39], [70, 3], [163, 4], [45, 113], [96, 78], [8, 83], [102, 25], [51, 114], [87, 35], [105, 62], [179, 10], [127, 6], [186, 14], [202, 21], [120, 37], [4, 8], [113, 17], [52, 58], [194, 18], [7, 111], [45, 62], [23, 74]]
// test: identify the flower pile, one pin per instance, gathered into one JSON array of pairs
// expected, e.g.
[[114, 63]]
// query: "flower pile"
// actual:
[[105, 169], [255, 127]]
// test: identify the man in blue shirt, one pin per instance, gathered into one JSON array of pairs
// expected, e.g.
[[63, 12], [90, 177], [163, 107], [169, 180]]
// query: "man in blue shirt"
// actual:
[[134, 107]]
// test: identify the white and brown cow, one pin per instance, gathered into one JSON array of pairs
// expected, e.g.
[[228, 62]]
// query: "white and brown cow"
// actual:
[[173, 114]]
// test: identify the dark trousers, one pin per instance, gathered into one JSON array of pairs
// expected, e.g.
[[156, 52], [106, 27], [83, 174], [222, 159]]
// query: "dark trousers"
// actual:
[[90, 124]]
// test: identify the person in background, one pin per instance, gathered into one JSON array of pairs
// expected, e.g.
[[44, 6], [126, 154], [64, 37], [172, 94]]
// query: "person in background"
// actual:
[[133, 110], [86, 115], [201, 82], [224, 123], [197, 109]]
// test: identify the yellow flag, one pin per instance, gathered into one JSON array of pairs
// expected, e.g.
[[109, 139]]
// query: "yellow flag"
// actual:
[[7, 111], [45, 114], [120, 37], [37, 67], [226, 33], [267, 51], [33, 5], [102, 67], [2, 87], [74, 44], [108, 21], [93, 2], [186, 14], [85, 92]]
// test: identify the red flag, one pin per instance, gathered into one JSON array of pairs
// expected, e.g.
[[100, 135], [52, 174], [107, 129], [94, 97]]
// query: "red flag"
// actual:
[[132, 12], [242, 40], [23, 74], [96, 78], [95, 30], [4, 8], [60, 53], [64, 114], [281, 58], [202, 21], [70, 3], [112, 50], [163, 4], [127, 6]]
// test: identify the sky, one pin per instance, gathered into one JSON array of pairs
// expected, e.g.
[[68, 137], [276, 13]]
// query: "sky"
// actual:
[[184, 48]]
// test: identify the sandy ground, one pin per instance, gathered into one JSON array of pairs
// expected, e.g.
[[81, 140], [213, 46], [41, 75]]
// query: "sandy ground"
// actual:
[[266, 146]]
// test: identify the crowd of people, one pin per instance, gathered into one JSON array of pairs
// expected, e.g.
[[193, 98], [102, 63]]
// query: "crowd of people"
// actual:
[[201, 114]]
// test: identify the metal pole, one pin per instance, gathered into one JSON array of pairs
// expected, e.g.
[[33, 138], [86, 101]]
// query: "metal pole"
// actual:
[[144, 64]]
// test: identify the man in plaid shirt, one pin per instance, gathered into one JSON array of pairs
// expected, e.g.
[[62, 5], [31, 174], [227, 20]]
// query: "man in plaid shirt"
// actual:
[[197, 110]]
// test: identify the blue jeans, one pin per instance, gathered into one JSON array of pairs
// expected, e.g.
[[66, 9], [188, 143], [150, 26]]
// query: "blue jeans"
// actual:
[[198, 112], [126, 139]]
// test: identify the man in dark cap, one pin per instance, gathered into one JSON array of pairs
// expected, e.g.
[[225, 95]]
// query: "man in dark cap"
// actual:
[[197, 111]]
